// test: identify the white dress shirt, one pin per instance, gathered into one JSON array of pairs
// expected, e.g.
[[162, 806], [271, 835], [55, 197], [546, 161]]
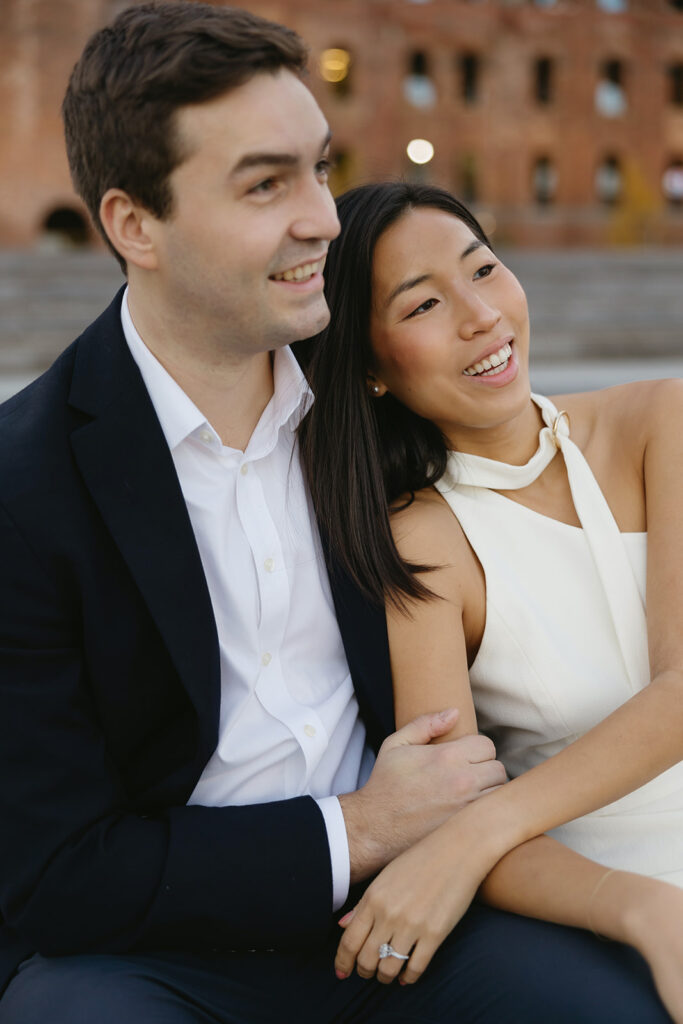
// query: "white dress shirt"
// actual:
[[289, 722]]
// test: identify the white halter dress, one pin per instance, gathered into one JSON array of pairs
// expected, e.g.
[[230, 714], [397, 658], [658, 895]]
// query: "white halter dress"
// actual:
[[565, 641]]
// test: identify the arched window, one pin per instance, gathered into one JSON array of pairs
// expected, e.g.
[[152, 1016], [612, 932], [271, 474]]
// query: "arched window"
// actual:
[[66, 227], [609, 181], [544, 181], [613, 6], [418, 87]]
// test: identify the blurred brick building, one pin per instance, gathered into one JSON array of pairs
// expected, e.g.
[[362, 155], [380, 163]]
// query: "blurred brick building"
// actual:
[[559, 121]]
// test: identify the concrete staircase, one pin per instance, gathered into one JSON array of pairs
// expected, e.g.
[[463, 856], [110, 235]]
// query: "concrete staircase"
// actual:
[[598, 314]]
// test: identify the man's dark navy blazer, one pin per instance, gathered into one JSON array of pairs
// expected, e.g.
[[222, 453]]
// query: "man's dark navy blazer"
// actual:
[[109, 693]]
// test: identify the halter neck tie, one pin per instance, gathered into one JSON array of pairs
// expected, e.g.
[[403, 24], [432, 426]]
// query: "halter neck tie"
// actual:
[[600, 528]]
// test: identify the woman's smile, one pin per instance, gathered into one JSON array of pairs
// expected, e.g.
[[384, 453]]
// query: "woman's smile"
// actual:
[[449, 325]]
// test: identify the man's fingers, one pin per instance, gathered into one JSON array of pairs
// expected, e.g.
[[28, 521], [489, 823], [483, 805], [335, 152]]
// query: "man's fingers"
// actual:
[[423, 729], [490, 774], [475, 748]]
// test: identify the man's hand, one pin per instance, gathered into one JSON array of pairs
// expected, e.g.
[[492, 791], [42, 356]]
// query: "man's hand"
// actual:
[[414, 787]]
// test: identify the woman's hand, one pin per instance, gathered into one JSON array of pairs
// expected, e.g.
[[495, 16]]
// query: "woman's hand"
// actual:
[[413, 904], [654, 925]]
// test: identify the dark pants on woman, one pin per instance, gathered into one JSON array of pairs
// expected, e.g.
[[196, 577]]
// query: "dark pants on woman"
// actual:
[[496, 968]]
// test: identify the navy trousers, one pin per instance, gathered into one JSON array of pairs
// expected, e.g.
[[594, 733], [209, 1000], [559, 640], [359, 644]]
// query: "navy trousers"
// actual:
[[496, 968]]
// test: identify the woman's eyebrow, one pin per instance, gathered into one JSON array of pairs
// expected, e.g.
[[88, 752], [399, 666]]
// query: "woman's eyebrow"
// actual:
[[405, 286], [475, 244], [413, 282]]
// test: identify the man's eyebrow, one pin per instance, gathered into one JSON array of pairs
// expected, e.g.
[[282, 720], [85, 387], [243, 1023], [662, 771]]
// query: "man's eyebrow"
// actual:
[[413, 282], [274, 159]]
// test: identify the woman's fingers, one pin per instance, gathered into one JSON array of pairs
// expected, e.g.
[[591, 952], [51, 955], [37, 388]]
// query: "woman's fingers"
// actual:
[[419, 960], [352, 941], [390, 967], [370, 962]]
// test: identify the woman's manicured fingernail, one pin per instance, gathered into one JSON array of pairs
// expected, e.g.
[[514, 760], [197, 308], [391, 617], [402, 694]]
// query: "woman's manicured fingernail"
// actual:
[[341, 975], [345, 919]]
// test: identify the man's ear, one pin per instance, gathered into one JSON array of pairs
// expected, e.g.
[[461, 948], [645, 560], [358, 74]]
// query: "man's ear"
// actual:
[[375, 386], [127, 224]]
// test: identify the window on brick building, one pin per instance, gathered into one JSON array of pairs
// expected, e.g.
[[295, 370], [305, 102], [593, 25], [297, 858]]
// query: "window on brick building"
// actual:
[[544, 181], [609, 181], [672, 182], [610, 96], [544, 69], [612, 6], [343, 170], [466, 179], [544, 3], [676, 84], [418, 87], [470, 74], [676, 4], [66, 228]]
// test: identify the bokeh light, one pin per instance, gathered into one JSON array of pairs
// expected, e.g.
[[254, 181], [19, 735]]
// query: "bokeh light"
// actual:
[[420, 151]]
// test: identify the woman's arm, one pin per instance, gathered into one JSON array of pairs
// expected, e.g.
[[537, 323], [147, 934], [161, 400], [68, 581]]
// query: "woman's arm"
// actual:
[[640, 739], [636, 742], [540, 879]]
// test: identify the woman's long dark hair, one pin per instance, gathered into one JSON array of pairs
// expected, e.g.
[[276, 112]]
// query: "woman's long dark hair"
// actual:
[[360, 453]]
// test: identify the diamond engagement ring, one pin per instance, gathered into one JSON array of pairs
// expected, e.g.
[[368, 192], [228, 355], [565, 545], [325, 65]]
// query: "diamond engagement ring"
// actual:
[[386, 950]]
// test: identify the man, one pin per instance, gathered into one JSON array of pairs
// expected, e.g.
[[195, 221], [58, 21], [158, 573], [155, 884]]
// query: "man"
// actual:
[[177, 712]]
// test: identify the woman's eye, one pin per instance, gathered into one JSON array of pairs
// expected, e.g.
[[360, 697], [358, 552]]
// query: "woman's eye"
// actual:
[[424, 307], [484, 271]]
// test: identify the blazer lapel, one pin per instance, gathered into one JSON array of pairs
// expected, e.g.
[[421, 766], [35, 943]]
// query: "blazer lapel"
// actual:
[[126, 465]]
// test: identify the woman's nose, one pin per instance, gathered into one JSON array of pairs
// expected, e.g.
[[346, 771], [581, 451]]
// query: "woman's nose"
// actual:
[[478, 317]]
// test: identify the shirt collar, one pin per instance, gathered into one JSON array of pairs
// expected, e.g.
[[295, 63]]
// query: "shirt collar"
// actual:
[[179, 416]]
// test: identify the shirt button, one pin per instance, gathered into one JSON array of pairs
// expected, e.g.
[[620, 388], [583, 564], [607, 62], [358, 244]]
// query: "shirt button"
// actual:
[[266, 658], [269, 564], [206, 436], [309, 730], [244, 469]]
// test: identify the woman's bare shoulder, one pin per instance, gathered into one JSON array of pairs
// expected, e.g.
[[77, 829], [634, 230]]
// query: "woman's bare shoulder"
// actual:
[[630, 411], [426, 530]]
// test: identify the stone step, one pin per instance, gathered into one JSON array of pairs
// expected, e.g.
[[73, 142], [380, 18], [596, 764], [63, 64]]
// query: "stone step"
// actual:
[[617, 304]]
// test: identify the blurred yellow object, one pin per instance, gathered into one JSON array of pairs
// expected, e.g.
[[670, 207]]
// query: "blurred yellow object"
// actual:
[[334, 64]]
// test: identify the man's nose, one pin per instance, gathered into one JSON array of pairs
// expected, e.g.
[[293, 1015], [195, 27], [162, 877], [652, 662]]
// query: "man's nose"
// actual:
[[317, 214]]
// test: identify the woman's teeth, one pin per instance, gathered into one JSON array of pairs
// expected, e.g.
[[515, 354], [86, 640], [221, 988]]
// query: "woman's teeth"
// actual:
[[492, 365], [301, 273]]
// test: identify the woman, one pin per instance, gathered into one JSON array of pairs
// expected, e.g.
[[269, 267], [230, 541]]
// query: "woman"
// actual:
[[536, 584]]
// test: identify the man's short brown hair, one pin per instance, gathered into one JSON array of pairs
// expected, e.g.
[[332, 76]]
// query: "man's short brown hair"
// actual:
[[134, 74]]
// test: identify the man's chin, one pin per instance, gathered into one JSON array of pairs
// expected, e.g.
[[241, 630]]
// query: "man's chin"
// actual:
[[309, 324]]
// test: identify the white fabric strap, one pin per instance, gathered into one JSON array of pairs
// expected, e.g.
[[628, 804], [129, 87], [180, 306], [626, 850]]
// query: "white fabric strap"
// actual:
[[595, 516]]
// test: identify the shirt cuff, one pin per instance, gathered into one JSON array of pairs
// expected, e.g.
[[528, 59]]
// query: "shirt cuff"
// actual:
[[339, 849]]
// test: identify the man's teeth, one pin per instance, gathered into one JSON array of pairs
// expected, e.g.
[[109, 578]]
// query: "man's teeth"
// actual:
[[492, 365], [301, 273]]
